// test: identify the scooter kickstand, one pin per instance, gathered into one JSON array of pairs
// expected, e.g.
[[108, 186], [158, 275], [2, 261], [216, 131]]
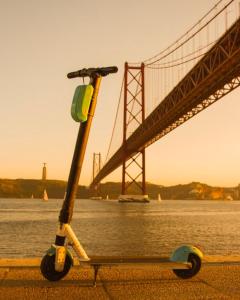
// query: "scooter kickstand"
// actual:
[[96, 268]]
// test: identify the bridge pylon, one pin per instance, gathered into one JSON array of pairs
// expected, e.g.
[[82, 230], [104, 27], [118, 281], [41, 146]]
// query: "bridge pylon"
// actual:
[[95, 170], [133, 170]]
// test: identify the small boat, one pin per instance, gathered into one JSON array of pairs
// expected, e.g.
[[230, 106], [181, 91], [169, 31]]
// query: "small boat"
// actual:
[[96, 198], [45, 195], [159, 198], [133, 199]]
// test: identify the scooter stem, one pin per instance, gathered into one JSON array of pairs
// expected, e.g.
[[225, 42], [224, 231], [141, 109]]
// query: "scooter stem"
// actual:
[[78, 157]]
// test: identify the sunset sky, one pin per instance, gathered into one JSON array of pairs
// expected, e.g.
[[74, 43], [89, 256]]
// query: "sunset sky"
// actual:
[[41, 41]]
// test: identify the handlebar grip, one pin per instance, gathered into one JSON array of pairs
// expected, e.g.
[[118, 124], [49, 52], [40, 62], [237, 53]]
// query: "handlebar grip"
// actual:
[[92, 72], [73, 74], [108, 70]]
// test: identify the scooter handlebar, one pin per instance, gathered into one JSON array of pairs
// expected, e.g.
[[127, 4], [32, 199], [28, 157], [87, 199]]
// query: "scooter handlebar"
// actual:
[[91, 72]]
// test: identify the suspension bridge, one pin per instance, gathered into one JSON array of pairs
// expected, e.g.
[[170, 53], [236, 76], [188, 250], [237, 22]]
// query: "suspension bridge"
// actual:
[[164, 91]]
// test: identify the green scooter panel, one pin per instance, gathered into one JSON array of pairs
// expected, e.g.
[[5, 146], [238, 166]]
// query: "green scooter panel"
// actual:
[[81, 102], [181, 254]]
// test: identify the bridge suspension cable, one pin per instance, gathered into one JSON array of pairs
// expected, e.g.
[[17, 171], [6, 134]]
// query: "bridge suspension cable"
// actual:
[[156, 57], [115, 121]]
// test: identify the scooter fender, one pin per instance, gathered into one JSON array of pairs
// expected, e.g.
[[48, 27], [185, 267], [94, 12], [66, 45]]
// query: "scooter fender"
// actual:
[[181, 254], [53, 250]]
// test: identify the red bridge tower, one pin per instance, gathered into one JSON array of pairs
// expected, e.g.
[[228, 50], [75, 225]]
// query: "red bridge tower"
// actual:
[[133, 171]]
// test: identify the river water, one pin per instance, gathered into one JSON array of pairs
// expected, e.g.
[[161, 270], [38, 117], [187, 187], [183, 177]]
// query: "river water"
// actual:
[[28, 226]]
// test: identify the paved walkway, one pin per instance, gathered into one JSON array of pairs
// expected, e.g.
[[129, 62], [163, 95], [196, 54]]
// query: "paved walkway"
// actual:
[[221, 281]]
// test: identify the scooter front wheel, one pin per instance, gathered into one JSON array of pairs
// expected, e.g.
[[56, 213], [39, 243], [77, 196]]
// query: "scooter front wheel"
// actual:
[[48, 268], [195, 261]]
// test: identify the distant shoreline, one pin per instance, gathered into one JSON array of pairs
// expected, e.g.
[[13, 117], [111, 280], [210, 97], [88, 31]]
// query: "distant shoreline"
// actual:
[[27, 188]]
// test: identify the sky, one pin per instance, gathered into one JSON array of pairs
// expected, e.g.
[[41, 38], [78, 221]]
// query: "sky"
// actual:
[[41, 41]]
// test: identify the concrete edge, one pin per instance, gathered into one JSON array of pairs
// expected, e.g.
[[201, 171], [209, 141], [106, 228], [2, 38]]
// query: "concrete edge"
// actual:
[[35, 262]]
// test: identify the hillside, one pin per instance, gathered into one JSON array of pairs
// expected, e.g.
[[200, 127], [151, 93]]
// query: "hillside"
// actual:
[[191, 191], [25, 188]]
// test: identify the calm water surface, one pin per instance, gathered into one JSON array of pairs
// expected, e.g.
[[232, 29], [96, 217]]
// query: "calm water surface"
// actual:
[[28, 226]]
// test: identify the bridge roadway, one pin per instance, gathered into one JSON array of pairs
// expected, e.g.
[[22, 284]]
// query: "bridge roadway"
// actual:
[[214, 76]]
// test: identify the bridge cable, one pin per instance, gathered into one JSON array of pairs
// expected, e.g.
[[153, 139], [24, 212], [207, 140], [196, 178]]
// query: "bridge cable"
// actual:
[[194, 34], [158, 67], [186, 33], [182, 36], [115, 121]]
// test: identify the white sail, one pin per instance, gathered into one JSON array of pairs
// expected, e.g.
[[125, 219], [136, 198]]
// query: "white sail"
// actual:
[[159, 198], [45, 195]]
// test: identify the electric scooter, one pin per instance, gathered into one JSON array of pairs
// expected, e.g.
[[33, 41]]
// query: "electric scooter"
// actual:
[[56, 263]]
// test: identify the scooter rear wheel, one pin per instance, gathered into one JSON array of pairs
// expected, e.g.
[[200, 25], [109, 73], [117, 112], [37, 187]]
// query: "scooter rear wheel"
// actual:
[[195, 260], [48, 268]]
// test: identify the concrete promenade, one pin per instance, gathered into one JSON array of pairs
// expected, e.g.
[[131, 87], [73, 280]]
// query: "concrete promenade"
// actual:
[[219, 278]]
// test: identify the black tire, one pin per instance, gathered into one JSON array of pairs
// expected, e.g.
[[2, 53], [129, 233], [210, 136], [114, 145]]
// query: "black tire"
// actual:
[[48, 268], [195, 260]]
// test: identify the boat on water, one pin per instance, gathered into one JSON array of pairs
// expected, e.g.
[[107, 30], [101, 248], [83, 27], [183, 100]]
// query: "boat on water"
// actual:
[[159, 199], [45, 196], [96, 198], [133, 199]]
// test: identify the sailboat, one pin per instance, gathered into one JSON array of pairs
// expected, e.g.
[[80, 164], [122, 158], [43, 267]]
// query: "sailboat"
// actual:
[[45, 195], [159, 198]]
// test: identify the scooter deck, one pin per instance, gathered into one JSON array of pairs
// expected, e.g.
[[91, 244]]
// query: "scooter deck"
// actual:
[[127, 260], [163, 262]]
